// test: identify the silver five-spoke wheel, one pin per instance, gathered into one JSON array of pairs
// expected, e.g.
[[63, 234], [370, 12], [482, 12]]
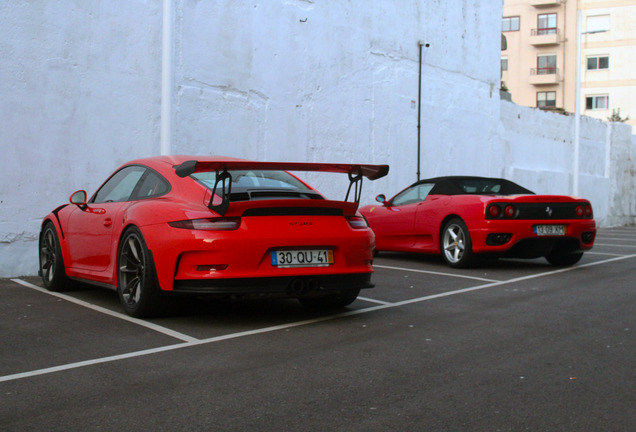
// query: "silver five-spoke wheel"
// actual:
[[456, 245]]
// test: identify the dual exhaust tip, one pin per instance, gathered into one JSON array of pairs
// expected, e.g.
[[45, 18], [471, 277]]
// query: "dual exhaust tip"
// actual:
[[303, 286]]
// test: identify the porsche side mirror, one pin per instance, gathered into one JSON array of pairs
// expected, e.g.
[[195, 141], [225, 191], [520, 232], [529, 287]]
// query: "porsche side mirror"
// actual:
[[78, 198], [381, 199]]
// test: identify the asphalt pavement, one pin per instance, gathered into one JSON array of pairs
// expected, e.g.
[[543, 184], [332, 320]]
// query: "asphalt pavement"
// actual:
[[508, 346]]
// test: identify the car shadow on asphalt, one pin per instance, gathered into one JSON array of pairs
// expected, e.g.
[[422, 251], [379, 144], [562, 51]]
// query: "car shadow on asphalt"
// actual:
[[481, 263]]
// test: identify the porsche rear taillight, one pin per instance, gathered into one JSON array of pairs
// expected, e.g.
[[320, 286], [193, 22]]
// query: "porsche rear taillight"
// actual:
[[208, 224], [357, 222]]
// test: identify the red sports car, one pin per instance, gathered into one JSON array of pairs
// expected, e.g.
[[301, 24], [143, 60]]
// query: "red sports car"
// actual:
[[464, 218], [212, 226]]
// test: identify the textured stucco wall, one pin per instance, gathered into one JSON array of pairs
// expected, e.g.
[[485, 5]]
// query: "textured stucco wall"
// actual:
[[79, 94], [295, 80]]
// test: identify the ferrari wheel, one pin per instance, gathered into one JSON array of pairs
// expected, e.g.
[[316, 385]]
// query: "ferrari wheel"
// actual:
[[456, 246], [136, 279], [51, 261], [331, 301]]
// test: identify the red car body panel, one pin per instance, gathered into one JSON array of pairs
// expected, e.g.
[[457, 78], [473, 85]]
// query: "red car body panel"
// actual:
[[418, 226], [89, 235]]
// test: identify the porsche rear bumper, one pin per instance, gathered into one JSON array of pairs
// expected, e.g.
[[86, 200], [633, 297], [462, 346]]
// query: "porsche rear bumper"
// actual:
[[286, 286]]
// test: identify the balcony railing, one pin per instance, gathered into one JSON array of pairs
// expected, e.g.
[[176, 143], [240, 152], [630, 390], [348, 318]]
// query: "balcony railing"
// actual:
[[545, 3], [545, 36], [544, 76]]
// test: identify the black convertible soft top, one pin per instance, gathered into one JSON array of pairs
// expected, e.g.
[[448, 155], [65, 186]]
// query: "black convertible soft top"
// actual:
[[467, 185]]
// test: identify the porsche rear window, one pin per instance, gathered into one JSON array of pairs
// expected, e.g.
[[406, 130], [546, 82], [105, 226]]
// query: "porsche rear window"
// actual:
[[254, 179]]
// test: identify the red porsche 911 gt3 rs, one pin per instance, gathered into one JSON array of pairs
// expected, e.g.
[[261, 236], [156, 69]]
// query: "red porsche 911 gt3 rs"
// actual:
[[463, 218], [212, 226]]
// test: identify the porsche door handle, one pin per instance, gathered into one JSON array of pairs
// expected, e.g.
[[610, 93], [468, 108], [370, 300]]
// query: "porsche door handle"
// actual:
[[108, 222]]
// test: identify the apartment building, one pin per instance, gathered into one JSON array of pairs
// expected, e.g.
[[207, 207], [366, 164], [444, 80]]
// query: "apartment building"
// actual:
[[539, 61]]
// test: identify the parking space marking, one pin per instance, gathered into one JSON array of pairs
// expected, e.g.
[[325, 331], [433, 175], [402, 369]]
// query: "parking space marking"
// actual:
[[118, 315], [197, 342], [621, 238], [434, 272], [370, 300], [603, 253], [615, 245]]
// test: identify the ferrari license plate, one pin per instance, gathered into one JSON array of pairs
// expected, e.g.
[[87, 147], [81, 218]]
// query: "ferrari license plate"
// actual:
[[302, 258], [550, 230]]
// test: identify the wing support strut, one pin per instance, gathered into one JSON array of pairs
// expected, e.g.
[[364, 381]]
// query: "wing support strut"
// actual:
[[355, 182], [225, 178]]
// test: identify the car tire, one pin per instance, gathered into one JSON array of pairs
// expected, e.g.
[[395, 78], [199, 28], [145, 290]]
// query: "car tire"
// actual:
[[560, 258], [136, 277], [337, 300], [51, 261], [455, 244]]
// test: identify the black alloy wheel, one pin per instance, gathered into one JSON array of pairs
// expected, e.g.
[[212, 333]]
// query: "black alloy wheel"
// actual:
[[136, 278], [51, 260]]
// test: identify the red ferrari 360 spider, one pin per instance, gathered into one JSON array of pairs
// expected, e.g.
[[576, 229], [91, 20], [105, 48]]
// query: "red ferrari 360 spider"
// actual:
[[212, 226], [467, 217]]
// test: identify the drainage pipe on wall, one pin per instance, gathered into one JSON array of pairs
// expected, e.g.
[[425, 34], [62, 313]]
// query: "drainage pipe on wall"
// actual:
[[419, 109], [166, 79]]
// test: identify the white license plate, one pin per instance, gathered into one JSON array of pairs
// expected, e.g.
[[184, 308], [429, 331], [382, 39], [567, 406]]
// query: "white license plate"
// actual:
[[302, 258], [550, 230]]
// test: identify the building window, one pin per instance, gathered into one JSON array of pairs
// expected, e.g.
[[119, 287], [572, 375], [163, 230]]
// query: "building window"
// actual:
[[546, 99], [547, 24], [597, 102], [504, 63], [597, 62], [598, 23], [546, 64], [510, 24]]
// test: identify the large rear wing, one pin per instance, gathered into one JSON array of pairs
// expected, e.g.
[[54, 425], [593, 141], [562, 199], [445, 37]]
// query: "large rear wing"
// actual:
[[223, 177]]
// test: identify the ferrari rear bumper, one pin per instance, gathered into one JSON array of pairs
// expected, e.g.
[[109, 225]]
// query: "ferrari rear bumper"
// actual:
[[520, 240]]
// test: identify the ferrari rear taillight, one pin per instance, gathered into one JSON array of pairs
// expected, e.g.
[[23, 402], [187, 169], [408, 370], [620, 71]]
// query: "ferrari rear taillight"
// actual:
[[583, 210], [504, 211], [494, 211], [208, 224], [579, 211], [357, 222]]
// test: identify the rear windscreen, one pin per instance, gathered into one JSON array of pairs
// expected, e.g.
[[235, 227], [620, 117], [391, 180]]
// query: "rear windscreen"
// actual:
[[254, 180]]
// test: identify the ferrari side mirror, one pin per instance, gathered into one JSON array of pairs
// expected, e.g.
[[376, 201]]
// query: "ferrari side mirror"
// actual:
[[381, 199], [78, 198]]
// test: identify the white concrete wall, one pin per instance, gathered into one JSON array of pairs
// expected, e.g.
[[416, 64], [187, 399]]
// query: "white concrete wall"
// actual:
[[79, 94], [295, 80]]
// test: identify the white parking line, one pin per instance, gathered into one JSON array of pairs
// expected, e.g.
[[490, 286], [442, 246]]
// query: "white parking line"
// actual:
[[615, 245], [100, 309], [621, 238], [195, 342], [370, 300], [603, 253], [435, 273]]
